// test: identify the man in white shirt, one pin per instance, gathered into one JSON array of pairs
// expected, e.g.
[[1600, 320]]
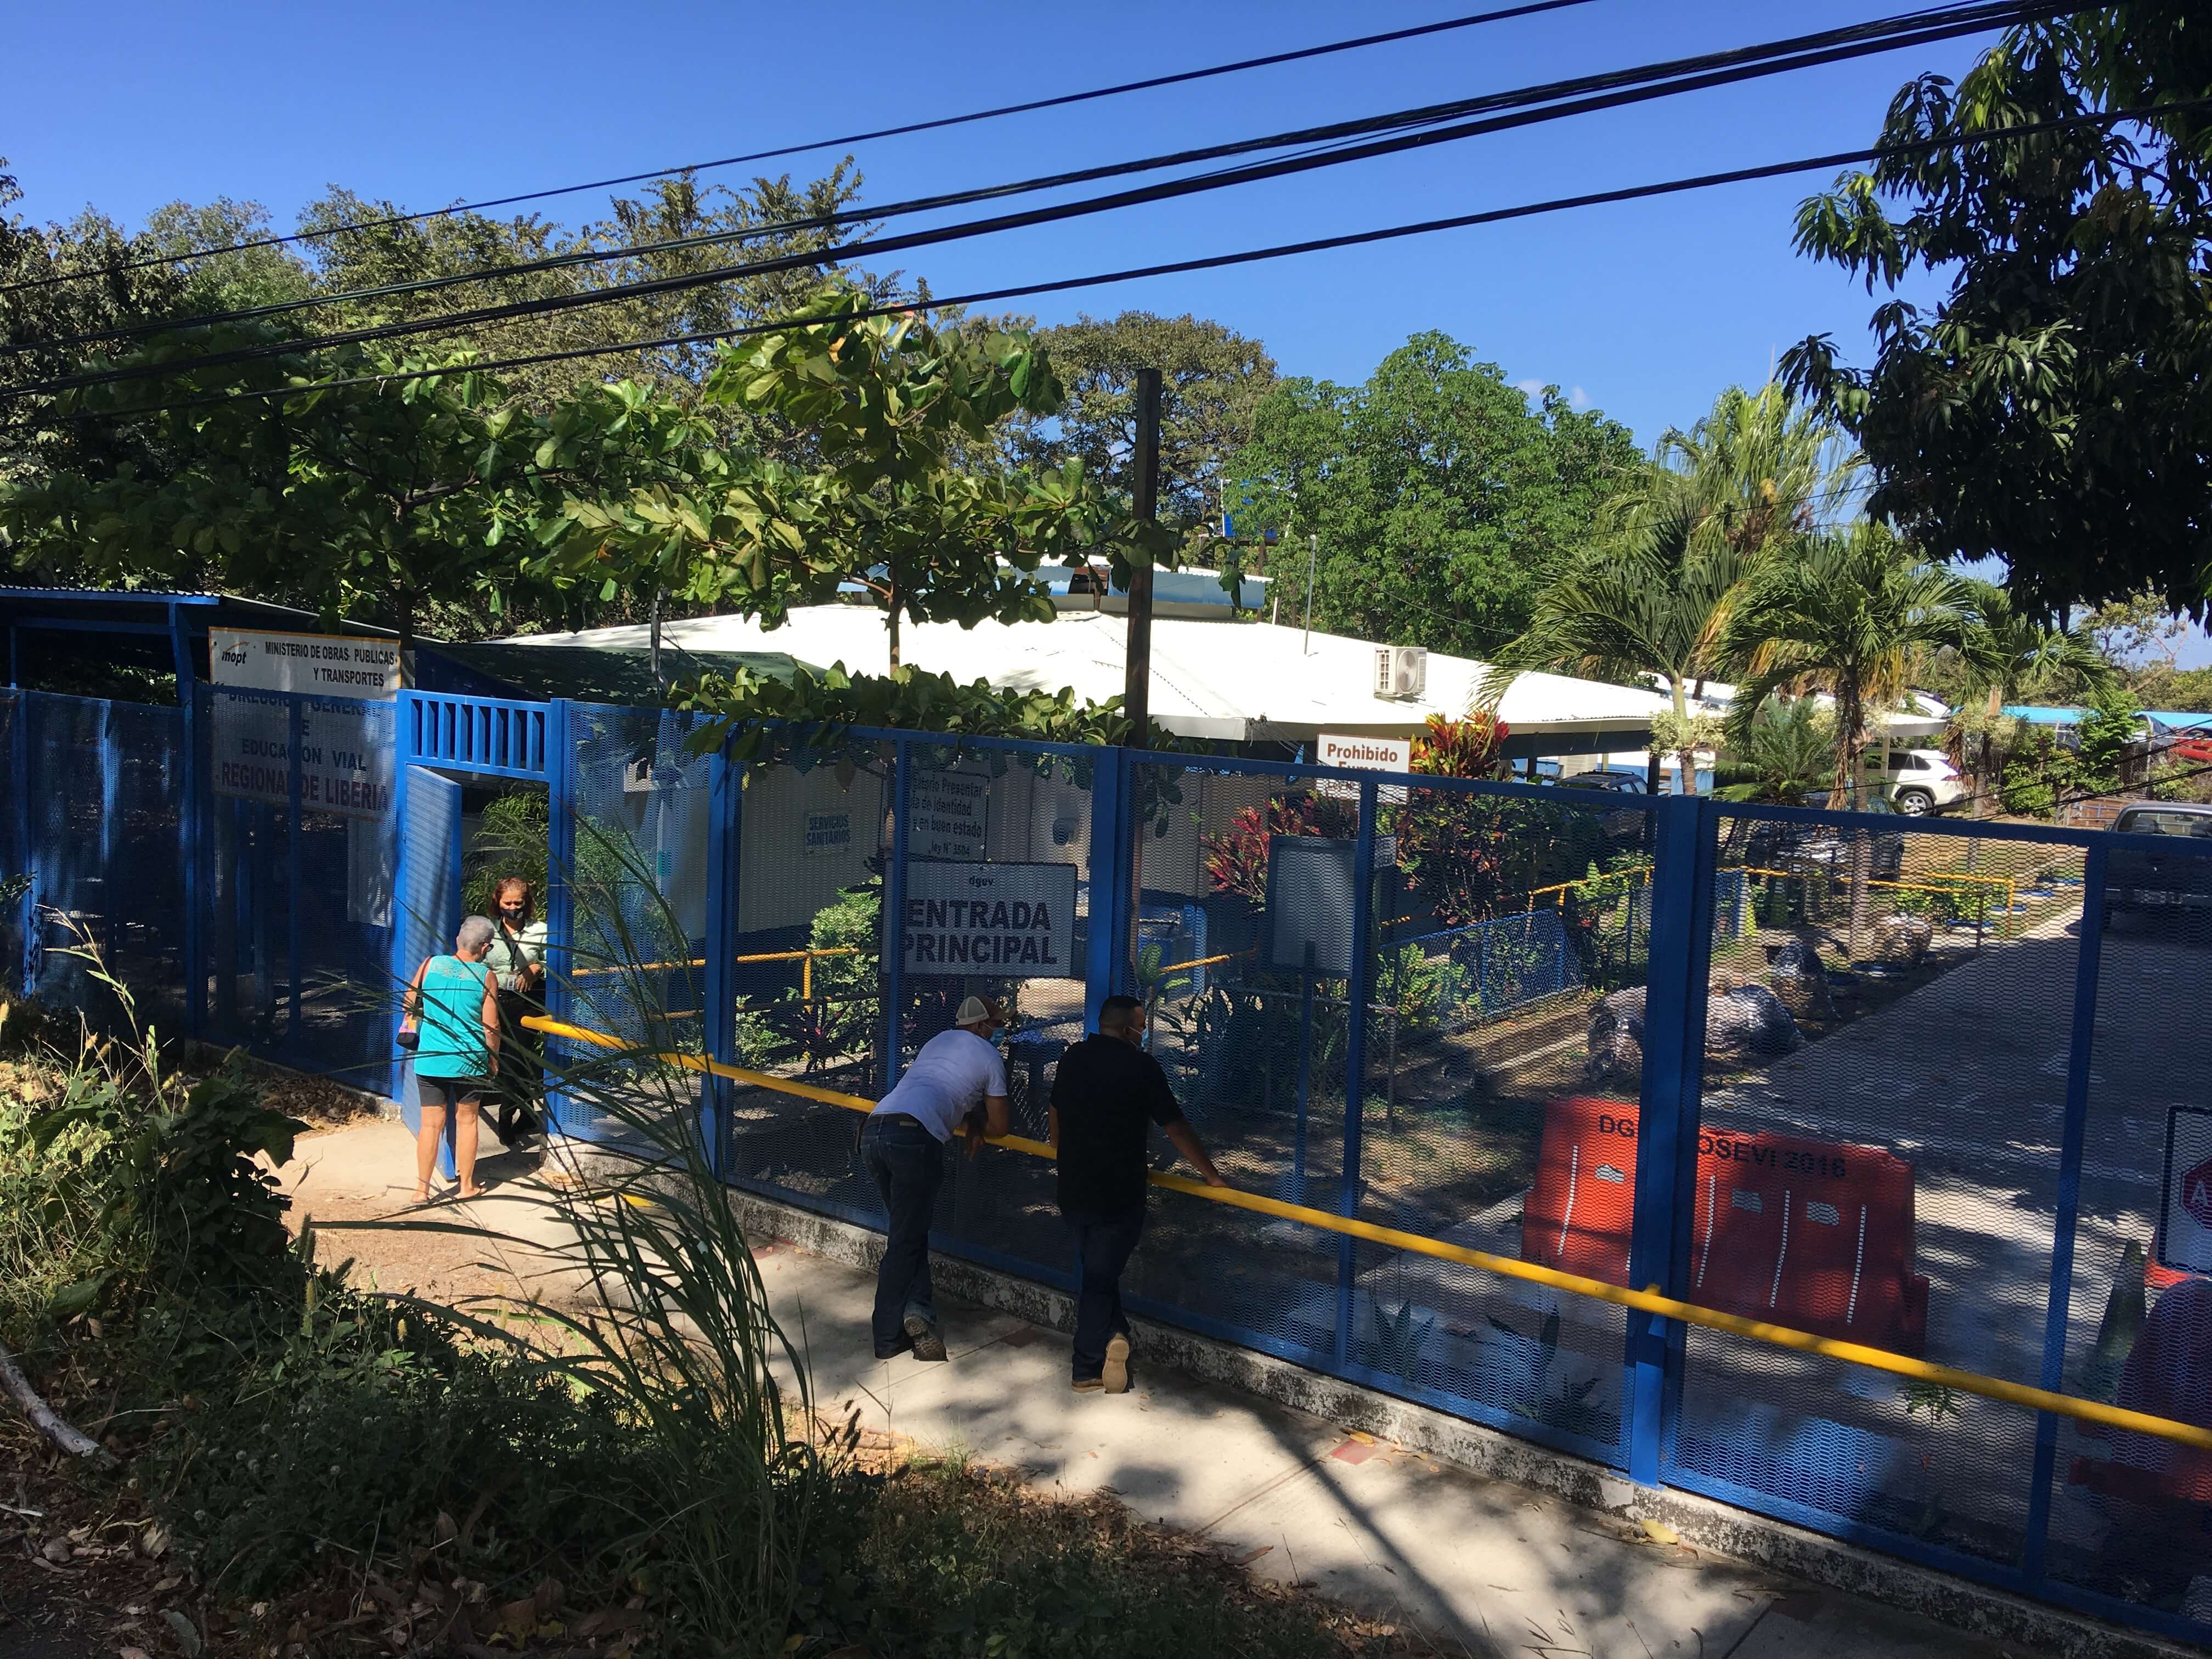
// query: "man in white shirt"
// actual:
[[903, 1144]]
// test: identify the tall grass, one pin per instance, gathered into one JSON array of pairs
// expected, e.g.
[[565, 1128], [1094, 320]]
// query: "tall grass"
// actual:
[[731, 1487]]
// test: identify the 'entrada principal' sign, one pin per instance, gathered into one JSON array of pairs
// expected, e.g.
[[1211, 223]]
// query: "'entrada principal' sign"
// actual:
[[989, 921]]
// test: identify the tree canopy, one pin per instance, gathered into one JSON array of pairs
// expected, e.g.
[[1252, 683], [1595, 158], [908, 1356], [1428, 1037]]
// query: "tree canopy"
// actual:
[[1212, 378], [2055, 408], [1441, 498]]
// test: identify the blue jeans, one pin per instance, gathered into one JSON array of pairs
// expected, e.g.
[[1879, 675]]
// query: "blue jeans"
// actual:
[[1103, 1245], [907, 1163]]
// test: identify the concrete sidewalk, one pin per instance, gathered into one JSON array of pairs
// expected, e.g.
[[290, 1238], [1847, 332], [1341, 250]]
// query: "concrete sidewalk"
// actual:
[[1487, 1567]]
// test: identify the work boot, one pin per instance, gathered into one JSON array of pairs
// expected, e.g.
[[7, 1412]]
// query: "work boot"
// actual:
[[927, 1344], [1116, 1379]]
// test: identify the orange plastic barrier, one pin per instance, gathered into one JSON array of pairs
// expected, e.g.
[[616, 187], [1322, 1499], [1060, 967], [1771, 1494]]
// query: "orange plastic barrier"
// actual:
[[1815, 1234], [2168, 1371]]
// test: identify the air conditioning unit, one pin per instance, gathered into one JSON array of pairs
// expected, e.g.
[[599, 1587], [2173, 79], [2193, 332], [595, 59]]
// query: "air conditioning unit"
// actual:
[[1401, 671]]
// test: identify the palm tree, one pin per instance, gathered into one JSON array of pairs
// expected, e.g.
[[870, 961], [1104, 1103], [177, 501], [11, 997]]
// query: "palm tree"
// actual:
[[2018, 647], [1753, 473], [1653, 595], [1845, 614], [1792, 750]]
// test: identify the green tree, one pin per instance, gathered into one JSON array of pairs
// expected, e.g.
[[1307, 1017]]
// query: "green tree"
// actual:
[[883, 402], [1844, 613], [1440, 498], [2050, 408], [1791, 749], [1652, 594], [1212, 378]]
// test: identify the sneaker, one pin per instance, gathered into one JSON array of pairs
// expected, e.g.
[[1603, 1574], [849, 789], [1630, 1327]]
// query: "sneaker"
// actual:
[[927, 1344], [1116, 1379], [1089, 1385], [904, 1345]]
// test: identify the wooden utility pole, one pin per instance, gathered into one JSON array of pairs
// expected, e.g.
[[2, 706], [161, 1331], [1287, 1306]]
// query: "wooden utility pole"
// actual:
[[1137, 688]]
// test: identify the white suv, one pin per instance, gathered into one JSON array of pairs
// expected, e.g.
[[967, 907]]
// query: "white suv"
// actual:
[[1918, 780]]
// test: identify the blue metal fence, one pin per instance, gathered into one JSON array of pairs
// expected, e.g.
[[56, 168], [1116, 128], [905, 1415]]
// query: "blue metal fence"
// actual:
[[1842, 1116]]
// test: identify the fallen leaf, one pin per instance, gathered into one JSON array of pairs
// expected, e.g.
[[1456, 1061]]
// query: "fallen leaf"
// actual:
[[188, 1637], [135, 1653], [1250, 1556], [167, 1584], [608, 1620], [1659, 1532]]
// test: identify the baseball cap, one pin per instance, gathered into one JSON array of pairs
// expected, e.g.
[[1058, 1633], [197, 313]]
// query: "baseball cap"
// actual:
[[975, 1011]]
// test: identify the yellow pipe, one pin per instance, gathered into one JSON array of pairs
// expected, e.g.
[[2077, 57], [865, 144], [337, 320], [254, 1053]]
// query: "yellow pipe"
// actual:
[[1648, 1301]]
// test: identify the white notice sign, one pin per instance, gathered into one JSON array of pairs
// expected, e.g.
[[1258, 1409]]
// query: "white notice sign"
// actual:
[[994, 920], [1364, 754], [947, 814], [319, 663], [2184, 1239], [345, 753]]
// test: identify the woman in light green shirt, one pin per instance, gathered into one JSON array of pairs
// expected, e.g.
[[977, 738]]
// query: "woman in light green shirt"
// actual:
[[518, 960]]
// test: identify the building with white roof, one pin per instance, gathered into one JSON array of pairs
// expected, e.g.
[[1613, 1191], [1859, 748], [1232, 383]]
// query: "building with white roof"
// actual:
[[1225, 681]]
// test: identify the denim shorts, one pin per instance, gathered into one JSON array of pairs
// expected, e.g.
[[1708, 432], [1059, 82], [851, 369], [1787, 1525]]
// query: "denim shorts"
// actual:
[[452, 1092]]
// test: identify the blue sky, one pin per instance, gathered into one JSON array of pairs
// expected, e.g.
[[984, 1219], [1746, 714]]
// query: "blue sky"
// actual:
[[1646, 311]]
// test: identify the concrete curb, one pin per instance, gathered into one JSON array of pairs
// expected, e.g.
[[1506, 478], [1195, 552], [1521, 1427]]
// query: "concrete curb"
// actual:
[[1992, 1613]]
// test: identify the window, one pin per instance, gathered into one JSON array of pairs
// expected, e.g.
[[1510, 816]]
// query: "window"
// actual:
[[2197, 825]]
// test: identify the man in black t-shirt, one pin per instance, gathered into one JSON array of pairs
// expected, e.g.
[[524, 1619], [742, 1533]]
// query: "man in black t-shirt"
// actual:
[[1105, 1093]]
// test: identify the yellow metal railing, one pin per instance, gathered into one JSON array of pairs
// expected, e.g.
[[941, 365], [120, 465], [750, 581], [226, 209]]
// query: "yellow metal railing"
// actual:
[[805, 956], [1648, 1301], [2004, 924]]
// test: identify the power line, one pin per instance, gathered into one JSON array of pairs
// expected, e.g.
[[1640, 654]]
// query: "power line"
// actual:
[[1214, 261], [1664, 79], [1060, 101], [1974, 21]]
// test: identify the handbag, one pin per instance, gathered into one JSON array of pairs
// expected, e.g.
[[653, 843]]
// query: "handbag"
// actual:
[[408, 1040]]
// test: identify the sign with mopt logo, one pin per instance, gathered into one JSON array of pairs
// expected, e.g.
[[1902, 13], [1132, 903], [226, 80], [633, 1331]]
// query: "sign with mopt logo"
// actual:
[[2185, 1241], [324, 664], [991, 921]]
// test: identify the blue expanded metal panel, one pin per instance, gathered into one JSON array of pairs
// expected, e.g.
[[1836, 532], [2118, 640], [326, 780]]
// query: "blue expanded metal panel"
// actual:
[[2129, 1517], [298, 846], [633, 965], [428, 901], [101, 844], [1897, 1084], [15, 823]]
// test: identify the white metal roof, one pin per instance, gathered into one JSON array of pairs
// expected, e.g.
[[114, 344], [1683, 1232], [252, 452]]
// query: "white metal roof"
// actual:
[[1225, 681]]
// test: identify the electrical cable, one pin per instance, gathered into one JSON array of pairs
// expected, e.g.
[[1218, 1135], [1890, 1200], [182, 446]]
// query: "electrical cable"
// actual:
[[1085, 207], [1630, 193], [1968, 18], [1180, 77]]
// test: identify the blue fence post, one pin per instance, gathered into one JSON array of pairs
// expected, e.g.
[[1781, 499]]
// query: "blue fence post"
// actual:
[[18, 769], [1357, 992], [894, 923], [1679, 950], [296, 711], [2088, 965], [560, 892], [1107, 879], [401, 969], [189, 856], [726, 781]]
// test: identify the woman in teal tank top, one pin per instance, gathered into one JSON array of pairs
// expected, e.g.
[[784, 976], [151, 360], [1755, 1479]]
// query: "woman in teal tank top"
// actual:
[[453, 1007]]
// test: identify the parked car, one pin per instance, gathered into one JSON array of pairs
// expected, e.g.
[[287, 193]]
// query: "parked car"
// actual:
[[1824, 848], [2159, 882], [1916, 782], [1625, 825]]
